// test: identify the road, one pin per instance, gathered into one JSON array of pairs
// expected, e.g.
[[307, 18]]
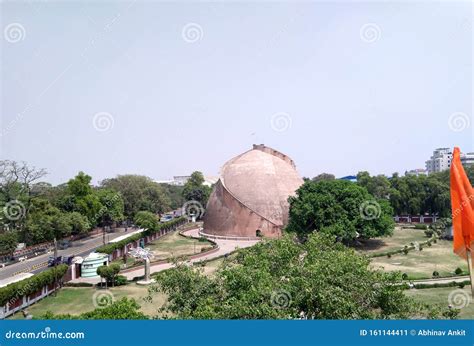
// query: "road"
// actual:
[[80, 247]]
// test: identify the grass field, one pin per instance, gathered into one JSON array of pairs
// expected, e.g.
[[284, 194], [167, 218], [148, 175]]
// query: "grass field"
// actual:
[[400, 238], [421, 264], [174, 245], [80, 299], [417, 264], [440, 296]]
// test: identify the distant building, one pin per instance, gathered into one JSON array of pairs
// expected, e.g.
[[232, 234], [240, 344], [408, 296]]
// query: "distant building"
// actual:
[[181, 180], [441, 160], [351, 178], [417, 172], [467, 159]]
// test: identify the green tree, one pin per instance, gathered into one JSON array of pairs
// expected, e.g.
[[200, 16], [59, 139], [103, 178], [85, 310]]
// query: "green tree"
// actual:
[[8, 242], [146, 220], [112, 207], [138, 193], [79, 223], [80, 197], [174, 194], [109, 273], [378, 186], [286, 279], [340, 208], [16, 184], [195, 190]]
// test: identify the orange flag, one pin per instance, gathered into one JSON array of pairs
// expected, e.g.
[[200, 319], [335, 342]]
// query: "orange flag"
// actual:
[[462, 203]]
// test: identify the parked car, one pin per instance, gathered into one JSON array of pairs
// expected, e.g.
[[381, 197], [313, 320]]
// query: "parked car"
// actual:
[[59, 260], [166, 218], [64, 244]]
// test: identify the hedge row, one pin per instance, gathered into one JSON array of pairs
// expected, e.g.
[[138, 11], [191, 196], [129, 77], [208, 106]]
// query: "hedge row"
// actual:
[[33, 284], [110, 248], [439, 284]]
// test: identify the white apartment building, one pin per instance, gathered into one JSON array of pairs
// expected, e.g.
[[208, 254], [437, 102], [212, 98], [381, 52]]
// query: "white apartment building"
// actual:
[[417, 172], [441, 160], [467, 159]]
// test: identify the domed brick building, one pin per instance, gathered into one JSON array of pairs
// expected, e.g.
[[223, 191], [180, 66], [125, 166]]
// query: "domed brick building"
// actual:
[[250, 199]]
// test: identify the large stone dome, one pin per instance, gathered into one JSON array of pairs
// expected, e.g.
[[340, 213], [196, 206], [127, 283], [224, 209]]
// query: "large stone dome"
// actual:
[[250, 197]]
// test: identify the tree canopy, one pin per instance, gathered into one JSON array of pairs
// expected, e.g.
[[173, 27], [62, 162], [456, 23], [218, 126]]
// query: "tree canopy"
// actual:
[[286, 279], [139, 193], [339, 208], [195, 190]]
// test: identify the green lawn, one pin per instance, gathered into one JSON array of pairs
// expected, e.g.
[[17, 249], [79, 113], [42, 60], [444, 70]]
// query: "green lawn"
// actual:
[[400, 238], [440, 296], [76, 300], [171, 245], [174, 245], [417, 264], [421, 264]]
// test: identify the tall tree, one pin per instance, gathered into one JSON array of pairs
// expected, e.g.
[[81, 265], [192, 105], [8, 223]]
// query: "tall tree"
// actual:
[[138, 193], [81, 197], [16, 181], [112, 207], [340, 208], [195, 190]]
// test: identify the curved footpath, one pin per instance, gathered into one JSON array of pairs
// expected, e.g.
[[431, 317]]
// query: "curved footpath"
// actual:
[[225, 247]]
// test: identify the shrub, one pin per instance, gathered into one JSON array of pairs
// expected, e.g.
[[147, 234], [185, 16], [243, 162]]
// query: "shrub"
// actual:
[[429, 233], [435, 241], [31, 285], [405, 251], [420, 248], [404, 276], [389, 255], [120, 280], [458, 271], [435, 274], [428, 243]]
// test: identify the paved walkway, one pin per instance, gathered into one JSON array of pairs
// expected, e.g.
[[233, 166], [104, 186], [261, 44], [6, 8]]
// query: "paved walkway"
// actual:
[[225, 247]]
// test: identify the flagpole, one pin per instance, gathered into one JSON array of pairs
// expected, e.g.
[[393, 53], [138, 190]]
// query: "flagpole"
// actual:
[[471, 273]]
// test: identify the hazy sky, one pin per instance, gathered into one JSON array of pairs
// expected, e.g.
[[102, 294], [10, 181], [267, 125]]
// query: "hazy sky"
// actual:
[[166, 88]]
